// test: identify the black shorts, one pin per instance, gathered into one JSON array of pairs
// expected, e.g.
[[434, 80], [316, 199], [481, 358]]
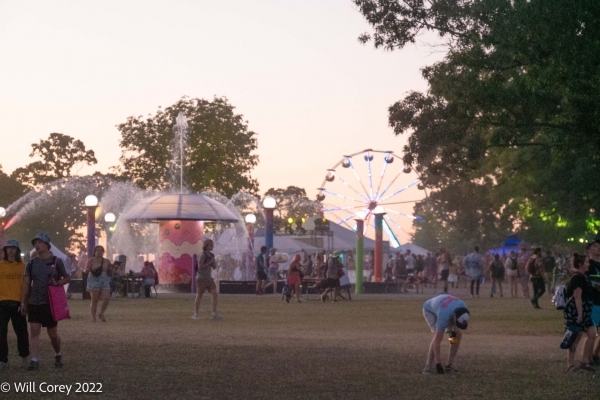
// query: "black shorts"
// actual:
[[41, 314], [261, 275], [333, 283], [445, 273]]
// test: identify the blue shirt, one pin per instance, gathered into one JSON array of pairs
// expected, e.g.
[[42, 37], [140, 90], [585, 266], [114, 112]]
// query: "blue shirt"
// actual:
[[443, 307], [260, 263]]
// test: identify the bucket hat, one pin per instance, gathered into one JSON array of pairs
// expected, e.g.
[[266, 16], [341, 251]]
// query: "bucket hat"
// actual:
[[12, 243], [42, 236]]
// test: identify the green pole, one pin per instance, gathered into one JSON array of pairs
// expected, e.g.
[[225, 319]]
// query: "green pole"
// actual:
[[360, 242]]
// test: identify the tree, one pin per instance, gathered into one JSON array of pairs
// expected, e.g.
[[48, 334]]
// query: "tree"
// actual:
[[11, 189], [507, 135], [60, 154], [217, 155], [292, 202]]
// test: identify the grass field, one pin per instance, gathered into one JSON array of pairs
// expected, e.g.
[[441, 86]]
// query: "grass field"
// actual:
[[371, 347]]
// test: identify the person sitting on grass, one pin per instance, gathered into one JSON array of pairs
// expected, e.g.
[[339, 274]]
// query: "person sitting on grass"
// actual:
[[444, 313]]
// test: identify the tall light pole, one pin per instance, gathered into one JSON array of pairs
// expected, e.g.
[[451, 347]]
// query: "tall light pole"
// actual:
[[109, 218], [91, 202], [360, 257], [2, 215], [250, 220], [379, 213], [269, 204], [181, 127]]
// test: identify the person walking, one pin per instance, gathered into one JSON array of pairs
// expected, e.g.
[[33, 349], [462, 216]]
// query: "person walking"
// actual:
[[149, 272], [593, 274], [512, 272], [497, 273], [40, 272], [12, 269], [204, 279], [444, 261], [294, 279], [444, 313], [473, 268], [261, 275], [523, 275], [273, 268], [333, 277], [578, 312], [98, 283], [537, 275]]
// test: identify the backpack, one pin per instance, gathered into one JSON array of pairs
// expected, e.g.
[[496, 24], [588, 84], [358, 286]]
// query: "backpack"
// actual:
[[513, 264], [531, 267]]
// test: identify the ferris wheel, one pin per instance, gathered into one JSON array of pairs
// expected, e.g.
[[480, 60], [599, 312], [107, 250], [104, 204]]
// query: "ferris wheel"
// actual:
[[368, 182]]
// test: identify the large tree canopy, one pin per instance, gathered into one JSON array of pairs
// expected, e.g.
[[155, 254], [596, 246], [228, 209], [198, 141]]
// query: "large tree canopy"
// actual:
[[217, 155], [59, 155], [507, 137]]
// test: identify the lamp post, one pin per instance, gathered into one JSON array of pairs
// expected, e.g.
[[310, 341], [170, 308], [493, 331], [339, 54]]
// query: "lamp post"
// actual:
[[250, 220], [269, 204], [91, 202], [2, 215], [109, 218], [360, 258], [378, 261]]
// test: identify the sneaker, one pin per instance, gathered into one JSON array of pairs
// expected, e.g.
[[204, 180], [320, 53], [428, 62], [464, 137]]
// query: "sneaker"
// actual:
[[215, 316], [426, 370], [3, 365], [33, 365], [450, 368], [58, 361], [323, 298], [195, 316]]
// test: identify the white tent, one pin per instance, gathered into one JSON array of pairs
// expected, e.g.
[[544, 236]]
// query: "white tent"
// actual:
[[414, 249]]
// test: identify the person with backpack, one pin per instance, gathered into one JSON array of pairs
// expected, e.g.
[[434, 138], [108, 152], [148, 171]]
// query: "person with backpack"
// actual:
[[512, 272], [497, 273], [40, 272], [261, 275], [578, 313], [537, 275], [473, 268]]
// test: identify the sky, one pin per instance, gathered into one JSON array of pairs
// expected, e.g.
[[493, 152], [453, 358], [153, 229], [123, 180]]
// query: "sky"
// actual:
[[293, 68]]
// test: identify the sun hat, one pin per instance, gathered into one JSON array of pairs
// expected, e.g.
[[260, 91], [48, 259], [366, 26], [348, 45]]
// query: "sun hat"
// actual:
[[336, 253], [43, 237], [273, 250], [12, 243], [462, 317]]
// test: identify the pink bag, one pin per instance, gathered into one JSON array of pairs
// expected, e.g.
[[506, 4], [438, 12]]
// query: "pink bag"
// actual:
[[58, 299]]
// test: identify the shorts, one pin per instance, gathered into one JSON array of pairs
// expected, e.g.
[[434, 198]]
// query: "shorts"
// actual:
[[204, 285], [431, 319], [273, 273], [596, 315], [293, 279], [333, 283], [452, 278], [41, 314], [97, 283], [445, 273], [512, 272], [261, 276]]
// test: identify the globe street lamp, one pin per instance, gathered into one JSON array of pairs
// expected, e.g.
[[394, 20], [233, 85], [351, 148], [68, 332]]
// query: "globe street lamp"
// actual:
[[269, 204], [378, 261], [250, 221], [91, 202], [360, 245], [2, 215], [109, 218]]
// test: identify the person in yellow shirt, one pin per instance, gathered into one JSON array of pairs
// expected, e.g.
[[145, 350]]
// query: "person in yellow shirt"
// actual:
[[12, 270]]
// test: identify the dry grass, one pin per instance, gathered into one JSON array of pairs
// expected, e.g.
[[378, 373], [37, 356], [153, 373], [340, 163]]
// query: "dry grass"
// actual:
[[371, 347]]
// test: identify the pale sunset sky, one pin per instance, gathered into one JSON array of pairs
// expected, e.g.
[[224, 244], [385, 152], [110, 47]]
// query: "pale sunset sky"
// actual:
[[293, 68]]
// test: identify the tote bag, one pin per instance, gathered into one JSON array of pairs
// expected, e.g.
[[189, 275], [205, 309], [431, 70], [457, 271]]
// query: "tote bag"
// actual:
[[58, 299]]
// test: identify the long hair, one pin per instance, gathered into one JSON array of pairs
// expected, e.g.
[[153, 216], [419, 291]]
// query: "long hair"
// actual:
[[96, 248], [17, 256]]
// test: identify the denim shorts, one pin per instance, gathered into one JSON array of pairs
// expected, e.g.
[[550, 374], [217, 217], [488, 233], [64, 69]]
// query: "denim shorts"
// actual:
[[97, 283], [596, 315]]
